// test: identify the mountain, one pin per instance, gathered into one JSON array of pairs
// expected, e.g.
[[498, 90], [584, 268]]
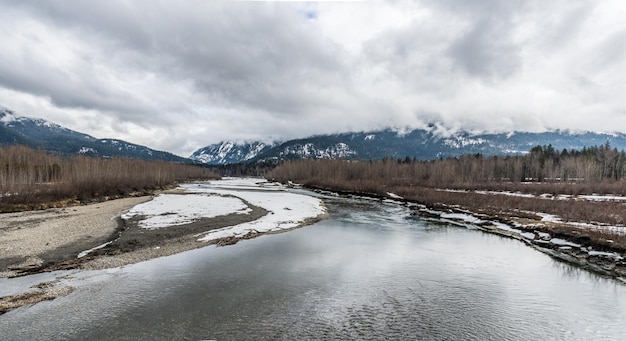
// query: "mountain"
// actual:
[[51, 137], [229, 152], [422, 144]]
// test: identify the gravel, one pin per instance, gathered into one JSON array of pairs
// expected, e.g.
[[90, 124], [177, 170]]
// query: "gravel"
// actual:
[[35, 237]]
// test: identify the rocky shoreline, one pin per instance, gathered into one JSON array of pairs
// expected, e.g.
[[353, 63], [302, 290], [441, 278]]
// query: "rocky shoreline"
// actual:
[[573, 247], [579, 251]]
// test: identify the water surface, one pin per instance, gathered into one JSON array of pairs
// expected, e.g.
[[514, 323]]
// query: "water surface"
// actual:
[[370, 271]]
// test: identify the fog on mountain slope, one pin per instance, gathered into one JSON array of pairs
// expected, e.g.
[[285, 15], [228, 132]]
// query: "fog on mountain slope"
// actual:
[[421, 144]]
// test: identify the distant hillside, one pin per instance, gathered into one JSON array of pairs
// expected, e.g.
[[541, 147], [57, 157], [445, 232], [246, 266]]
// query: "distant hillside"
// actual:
[[421, 144], [51, 137], [229, 152]]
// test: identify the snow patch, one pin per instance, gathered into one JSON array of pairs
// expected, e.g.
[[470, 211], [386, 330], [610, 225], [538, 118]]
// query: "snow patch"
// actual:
[[84, 150], [512, 194], [86, 252], [8, 117], [214, 198], [611, 255], [543, 235], [461, 141], [228, 183], [563, 242], [548, 218], [468, 218], [309, 150], [177, 209], [596, 197], [286, 210], [394, 196]]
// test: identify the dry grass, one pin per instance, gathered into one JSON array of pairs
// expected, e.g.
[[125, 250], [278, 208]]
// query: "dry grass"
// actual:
[[381, 177], [30, 178]]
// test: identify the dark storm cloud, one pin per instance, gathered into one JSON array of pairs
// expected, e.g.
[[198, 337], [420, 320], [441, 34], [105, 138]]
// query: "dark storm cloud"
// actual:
[[63, 88], [258, 55]]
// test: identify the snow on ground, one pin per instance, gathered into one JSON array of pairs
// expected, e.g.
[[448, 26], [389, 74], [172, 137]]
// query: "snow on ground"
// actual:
[[468, 218], [238, 184], [512, 194], [505, 227], [563, 242], [546, 196], [607, 228], [548, 218], [543, 237], [597, 197], [178, 209], [86, 252], [222, 197], [394, 196], [606, 254], [286, 210], [621, 230]]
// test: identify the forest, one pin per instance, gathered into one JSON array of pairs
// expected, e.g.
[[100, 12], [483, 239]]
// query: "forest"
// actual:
[[32, 179], [497, 185], [594, 169]]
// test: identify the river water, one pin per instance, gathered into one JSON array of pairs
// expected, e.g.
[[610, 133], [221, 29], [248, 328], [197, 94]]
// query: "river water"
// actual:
[[369, 271]]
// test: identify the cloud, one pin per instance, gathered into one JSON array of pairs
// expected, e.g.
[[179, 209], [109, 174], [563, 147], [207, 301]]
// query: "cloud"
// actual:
[[485, 51], [178, 77]]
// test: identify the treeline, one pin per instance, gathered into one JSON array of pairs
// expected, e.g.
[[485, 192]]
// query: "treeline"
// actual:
[[244, 169], [593, 164], [30, 177], [434, 183], [596, 168]]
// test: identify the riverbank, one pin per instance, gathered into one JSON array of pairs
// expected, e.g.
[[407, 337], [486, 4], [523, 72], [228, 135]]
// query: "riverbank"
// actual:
[[39, 241], [574, 248], [32, 241], [596, 247], [127, 231]]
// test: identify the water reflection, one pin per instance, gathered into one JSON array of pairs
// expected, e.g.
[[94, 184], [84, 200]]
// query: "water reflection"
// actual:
[[368, 272]]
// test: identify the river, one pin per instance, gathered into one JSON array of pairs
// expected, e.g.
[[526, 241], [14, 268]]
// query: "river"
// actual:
[[369, 271]]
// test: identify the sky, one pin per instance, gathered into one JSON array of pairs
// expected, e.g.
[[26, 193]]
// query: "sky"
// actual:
[[180, 75]]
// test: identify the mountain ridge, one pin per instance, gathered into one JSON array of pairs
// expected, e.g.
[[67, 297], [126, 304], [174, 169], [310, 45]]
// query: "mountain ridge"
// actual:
[[41, 134], [229, 151], [434, 142], [422, 144]]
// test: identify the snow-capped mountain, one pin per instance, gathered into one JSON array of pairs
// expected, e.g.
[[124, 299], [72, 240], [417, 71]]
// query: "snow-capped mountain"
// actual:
[[229, 152], [422, 144], [310, 150], [41, 134]]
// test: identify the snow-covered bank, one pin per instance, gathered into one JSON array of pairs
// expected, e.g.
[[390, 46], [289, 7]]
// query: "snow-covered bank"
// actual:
[[546, 196], [286, 210], [176, 221], [605, 262], [566, 240], [168, 210]]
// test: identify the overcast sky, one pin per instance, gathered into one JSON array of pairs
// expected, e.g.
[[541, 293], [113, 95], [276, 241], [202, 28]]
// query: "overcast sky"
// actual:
[[179, 75]]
